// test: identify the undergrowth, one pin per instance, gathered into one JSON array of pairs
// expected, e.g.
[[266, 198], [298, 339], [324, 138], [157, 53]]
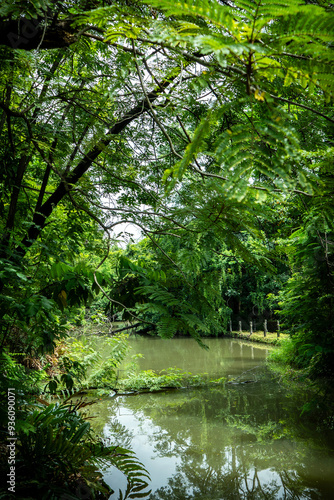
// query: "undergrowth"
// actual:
[[57, 454], [165, 379], [318, 391]]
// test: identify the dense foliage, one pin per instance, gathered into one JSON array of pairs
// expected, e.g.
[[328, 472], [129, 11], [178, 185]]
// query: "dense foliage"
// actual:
[[208, 126]]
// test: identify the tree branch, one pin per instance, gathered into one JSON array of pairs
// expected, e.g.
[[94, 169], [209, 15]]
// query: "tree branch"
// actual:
[[303, 106], [69, 181]]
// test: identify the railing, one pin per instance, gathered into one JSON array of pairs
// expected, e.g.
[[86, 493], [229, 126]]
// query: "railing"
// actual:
[[253, 328]]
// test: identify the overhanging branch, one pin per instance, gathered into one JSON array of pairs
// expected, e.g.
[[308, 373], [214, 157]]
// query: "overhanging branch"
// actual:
[[70, 180]]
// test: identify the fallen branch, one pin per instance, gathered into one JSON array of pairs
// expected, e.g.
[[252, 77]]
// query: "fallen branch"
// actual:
[[126, 328]]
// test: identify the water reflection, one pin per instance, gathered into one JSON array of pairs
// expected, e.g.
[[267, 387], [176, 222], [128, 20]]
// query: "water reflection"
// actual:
[[243, 441], [224, 356]]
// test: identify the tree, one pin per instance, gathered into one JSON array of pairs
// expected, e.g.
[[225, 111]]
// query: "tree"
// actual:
[[190, 120], [187, 117], [307, 299]]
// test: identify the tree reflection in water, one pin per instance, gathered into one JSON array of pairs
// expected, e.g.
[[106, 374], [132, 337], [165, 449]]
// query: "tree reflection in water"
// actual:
[[234, 442]]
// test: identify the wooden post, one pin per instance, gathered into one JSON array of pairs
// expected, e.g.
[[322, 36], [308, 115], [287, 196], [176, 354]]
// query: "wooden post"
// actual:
[[231, 326], [265, 329], [250, 328], [278, 329], [240, 327]]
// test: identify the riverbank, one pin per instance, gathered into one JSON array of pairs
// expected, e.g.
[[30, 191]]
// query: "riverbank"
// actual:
[[270, 338], [253, 414]]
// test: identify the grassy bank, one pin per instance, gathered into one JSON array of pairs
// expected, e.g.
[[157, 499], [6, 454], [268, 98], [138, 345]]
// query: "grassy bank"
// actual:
[[271, 338]]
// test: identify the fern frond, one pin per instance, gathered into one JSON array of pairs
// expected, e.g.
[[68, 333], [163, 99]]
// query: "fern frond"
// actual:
[[137, 476], [309, 21], [213, 12], [167, 327], [159, 294]]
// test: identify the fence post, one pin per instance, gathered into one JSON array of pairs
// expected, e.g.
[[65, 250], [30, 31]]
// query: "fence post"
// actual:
[[265, 329], [250, 328], [240, 327], [278, 329]]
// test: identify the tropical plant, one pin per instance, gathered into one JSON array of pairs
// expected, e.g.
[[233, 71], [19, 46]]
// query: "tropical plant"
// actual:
[[172, 378], [193, 121], [58, 457]]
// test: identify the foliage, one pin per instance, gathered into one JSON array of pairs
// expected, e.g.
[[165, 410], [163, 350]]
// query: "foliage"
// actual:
[[165, 379], [71, 372], [25, 384], [285, 354], [207, 125], [15, 374], [196, 296], [81, 364], [106, 374], [310, 251], [58, 455]]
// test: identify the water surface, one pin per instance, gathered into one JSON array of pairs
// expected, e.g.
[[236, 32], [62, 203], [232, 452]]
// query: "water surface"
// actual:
[[224, 356], [244, 440]]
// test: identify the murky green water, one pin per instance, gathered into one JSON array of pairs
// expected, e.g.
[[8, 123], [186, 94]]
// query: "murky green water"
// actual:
[[241, 441]]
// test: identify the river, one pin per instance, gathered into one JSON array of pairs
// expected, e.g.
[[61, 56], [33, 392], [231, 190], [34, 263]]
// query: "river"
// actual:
[[246, 439]]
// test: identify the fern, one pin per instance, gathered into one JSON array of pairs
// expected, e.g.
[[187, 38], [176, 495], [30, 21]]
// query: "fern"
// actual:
[[137, 476], [59, 445], [210, 11], [255, 28], [167, 327], [264, 145]]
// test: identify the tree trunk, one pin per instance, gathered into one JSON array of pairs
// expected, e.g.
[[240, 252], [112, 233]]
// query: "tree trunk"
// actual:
[[69, 182], [29, 34]]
